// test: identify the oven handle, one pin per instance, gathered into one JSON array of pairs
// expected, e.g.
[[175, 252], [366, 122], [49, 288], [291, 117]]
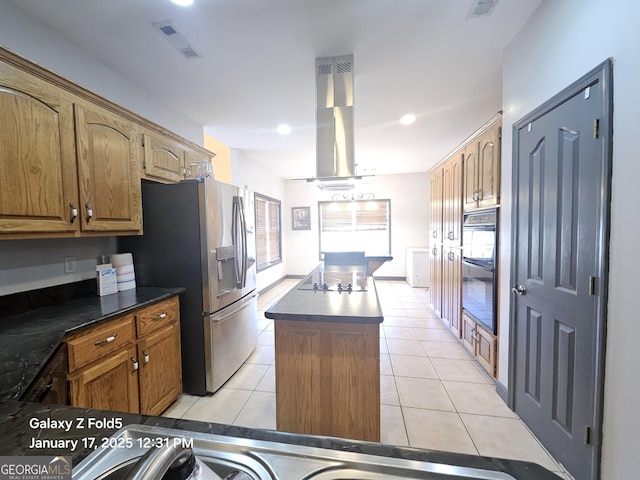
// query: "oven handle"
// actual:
[[478, 265]]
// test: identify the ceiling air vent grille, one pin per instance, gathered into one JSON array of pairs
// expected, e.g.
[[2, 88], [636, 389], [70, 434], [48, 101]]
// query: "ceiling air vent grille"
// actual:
[[481, 8], [177, 39]]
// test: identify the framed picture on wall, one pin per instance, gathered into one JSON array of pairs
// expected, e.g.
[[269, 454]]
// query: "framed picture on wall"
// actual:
[[301, 218]]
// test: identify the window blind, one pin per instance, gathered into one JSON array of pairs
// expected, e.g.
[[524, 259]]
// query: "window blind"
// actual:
[[268, 232]]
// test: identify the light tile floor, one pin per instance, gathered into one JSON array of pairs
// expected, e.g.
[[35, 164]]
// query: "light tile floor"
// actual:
[[433, 394]]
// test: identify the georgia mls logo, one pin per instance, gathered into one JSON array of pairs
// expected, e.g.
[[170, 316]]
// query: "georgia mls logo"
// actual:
[[35, 468]]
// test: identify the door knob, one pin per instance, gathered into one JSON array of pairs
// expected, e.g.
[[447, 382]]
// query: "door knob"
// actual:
[[519, 290]]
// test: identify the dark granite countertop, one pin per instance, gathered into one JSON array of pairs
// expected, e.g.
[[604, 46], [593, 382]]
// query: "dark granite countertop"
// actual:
[[20, 424], [28, 339], [328, 306]]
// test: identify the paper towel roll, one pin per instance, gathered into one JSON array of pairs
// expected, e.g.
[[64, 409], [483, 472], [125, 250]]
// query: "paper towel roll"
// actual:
[[122, 286], [125, 275], [121, 259]]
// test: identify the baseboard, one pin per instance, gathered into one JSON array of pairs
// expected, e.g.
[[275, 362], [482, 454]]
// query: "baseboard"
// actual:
[[503, 393]]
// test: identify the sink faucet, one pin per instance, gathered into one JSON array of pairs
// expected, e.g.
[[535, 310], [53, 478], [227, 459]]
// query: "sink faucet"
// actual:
[[155, 463]]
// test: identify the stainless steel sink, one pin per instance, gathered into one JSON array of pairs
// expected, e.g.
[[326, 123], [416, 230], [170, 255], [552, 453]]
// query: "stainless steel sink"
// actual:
[[263, 460]]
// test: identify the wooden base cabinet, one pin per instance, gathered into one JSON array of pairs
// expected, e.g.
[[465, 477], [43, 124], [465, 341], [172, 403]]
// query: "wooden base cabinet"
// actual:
[[435, 279], [328, 379], [129, 364], [452, 289], [160, 382], [109, 384], [482, 344]]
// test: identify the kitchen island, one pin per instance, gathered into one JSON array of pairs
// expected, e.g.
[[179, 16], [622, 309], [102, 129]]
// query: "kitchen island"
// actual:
[[327, 355]]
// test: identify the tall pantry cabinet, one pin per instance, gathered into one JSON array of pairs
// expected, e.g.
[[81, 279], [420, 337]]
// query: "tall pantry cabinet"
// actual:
[[466, 180], [446, 238]]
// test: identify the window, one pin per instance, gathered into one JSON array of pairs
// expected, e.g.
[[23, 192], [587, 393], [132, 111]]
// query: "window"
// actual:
[[268, 234], [358, 225]]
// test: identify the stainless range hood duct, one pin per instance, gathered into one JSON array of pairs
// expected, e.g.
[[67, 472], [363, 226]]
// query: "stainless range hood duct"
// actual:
[[334, 122]]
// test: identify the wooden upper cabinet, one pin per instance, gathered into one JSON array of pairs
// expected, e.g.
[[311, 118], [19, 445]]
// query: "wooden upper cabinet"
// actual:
[[108, 169], [37, 156], [482, 170], [435, 209], [164, 159], [470, 183], [489, 168], [452, 201]]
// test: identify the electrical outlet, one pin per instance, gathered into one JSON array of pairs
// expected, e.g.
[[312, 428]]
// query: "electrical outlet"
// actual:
[[69, 264]]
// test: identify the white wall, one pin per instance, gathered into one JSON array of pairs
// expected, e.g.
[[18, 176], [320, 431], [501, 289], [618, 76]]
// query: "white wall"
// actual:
[[409, 195], [563, 41], [36, 42]]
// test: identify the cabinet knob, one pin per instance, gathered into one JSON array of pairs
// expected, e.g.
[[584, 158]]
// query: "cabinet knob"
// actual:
[[89, 212], [162, 316], [146, 357]]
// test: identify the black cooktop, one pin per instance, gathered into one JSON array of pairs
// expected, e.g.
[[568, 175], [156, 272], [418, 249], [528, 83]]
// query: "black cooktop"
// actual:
[[336, 278]]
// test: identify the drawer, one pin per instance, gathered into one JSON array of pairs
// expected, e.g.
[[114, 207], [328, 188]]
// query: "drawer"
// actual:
[[151, 318], [91, 345]]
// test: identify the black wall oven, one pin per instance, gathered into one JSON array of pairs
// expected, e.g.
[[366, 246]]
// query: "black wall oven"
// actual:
[[479, 276]]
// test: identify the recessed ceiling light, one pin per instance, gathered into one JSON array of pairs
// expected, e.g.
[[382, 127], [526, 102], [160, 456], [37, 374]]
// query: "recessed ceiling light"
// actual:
[[183, 3], [284, 129], [408, 119]]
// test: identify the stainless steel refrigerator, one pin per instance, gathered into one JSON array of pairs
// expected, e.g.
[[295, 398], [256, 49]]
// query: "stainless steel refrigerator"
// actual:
[[200, 235]]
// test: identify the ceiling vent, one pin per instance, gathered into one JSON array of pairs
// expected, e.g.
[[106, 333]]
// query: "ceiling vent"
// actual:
[[481, 8], [177, 39]]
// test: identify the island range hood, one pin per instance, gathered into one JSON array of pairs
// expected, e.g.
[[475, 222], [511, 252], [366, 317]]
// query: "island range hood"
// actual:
[[335, 165]]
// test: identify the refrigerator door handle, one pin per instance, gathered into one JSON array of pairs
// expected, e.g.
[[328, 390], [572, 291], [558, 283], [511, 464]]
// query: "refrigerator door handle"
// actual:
[[243, 230], [231, 310], [234, 236]]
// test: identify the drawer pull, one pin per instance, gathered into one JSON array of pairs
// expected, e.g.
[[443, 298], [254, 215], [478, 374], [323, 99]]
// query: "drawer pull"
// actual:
[[136, 365], [146, 357], [107, 340], [89, 215], [74, 213], [162, 316]]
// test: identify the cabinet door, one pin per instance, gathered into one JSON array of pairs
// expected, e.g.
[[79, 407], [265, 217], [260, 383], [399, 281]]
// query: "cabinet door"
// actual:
[[489, 168], [351, 361], [435, 207], [435, 279], [108, 169], [298, 369], [470, 188], [160, 369], [468, 333], [163, 158], [191, 161], [37, 156], [109, 384], [452, 289], [486, 348], [328, 379], [452, 201]]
